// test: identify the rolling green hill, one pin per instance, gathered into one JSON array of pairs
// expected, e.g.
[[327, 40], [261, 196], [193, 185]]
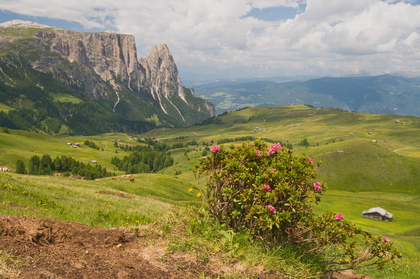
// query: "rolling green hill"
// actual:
[[359, 152], [367, 161]]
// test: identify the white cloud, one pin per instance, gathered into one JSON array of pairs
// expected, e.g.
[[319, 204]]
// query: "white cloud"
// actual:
[[328, 37]]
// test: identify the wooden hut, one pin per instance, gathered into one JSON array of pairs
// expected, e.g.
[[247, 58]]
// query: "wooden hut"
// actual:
[[377, 213]]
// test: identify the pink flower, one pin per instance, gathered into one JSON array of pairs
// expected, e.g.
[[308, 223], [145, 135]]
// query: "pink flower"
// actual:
[[267, 187], [274, 148], [272, 170], [215, 149], [259, 155], [272, 209], [317, 186], [386, 239], [276, 145], [310, 160], [339, 216]]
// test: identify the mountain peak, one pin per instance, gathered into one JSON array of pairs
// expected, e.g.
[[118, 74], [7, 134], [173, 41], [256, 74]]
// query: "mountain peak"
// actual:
[[23, 23]]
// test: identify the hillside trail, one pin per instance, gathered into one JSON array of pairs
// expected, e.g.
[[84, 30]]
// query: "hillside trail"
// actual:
[[49, 248]]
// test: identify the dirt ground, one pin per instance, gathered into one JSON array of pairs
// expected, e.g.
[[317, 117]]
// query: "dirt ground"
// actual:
[[46, 248]]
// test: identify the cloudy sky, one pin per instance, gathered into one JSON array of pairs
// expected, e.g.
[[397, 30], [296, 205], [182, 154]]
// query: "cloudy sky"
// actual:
[[251, 38]]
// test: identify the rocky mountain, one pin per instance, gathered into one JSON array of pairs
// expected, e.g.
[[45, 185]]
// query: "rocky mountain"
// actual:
[[60, 81]]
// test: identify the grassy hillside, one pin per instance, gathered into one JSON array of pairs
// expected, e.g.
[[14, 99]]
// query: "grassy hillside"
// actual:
[[104, 203], [403, 230], [359, 152], [367, 161], [22, 145]]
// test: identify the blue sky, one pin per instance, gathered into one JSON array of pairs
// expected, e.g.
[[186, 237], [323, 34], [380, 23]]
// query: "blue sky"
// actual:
[[276, 13], [251, 38]]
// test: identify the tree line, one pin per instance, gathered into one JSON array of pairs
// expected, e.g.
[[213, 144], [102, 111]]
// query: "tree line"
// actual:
[[45, 165], [143, 162], [91, 144]]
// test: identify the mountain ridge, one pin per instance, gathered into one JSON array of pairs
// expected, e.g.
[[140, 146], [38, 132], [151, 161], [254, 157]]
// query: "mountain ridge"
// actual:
[[368, 94]]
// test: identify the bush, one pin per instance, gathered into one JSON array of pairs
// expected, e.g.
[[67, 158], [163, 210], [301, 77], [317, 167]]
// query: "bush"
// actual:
[[268, 193]]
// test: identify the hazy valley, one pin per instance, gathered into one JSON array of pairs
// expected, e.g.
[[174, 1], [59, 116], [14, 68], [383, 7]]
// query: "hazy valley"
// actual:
[[397, 94]]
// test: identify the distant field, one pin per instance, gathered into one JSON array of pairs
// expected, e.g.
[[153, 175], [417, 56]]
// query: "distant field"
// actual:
[[407, 151], [66, 98], [23, 145], [5, 108]]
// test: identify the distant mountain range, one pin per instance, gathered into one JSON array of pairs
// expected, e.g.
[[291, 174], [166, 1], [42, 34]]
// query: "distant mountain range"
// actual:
[[64, 82], [368, 94]]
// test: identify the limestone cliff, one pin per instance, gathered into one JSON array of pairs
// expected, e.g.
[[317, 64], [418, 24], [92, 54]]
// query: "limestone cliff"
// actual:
[[113, 57], [164, 82]]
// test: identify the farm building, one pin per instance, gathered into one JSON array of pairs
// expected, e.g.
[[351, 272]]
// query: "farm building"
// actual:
[[377, 213]]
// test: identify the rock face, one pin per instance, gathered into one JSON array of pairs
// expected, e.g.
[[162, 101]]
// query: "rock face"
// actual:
[[162, 73], [104, 66], [113, 57]]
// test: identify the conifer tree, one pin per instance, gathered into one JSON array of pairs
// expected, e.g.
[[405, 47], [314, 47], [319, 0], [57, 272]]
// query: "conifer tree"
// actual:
[[34, 165], [20, 167]]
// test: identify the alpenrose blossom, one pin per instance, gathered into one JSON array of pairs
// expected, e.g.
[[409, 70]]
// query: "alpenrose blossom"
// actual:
[[215, 149], [339, 216], [272, 170], [273, 149], [386, 239], [317, 186], [267, 187], [271, 208], [259, 155], [310, 160]]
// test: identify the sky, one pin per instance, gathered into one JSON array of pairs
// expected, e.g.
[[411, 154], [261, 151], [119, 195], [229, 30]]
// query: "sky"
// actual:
[[250, 38]]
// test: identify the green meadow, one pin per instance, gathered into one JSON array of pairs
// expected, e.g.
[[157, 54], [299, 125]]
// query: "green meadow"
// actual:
[[66, 98], [105, 203], [5, 108], [366, 161]]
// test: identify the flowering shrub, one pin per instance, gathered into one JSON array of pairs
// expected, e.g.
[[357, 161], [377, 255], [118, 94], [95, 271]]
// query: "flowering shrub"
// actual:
[[250, 182], [342, 244], [268, 192]]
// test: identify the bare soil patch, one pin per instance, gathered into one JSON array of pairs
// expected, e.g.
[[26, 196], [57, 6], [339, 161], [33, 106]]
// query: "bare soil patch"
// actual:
[[47, 248]]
